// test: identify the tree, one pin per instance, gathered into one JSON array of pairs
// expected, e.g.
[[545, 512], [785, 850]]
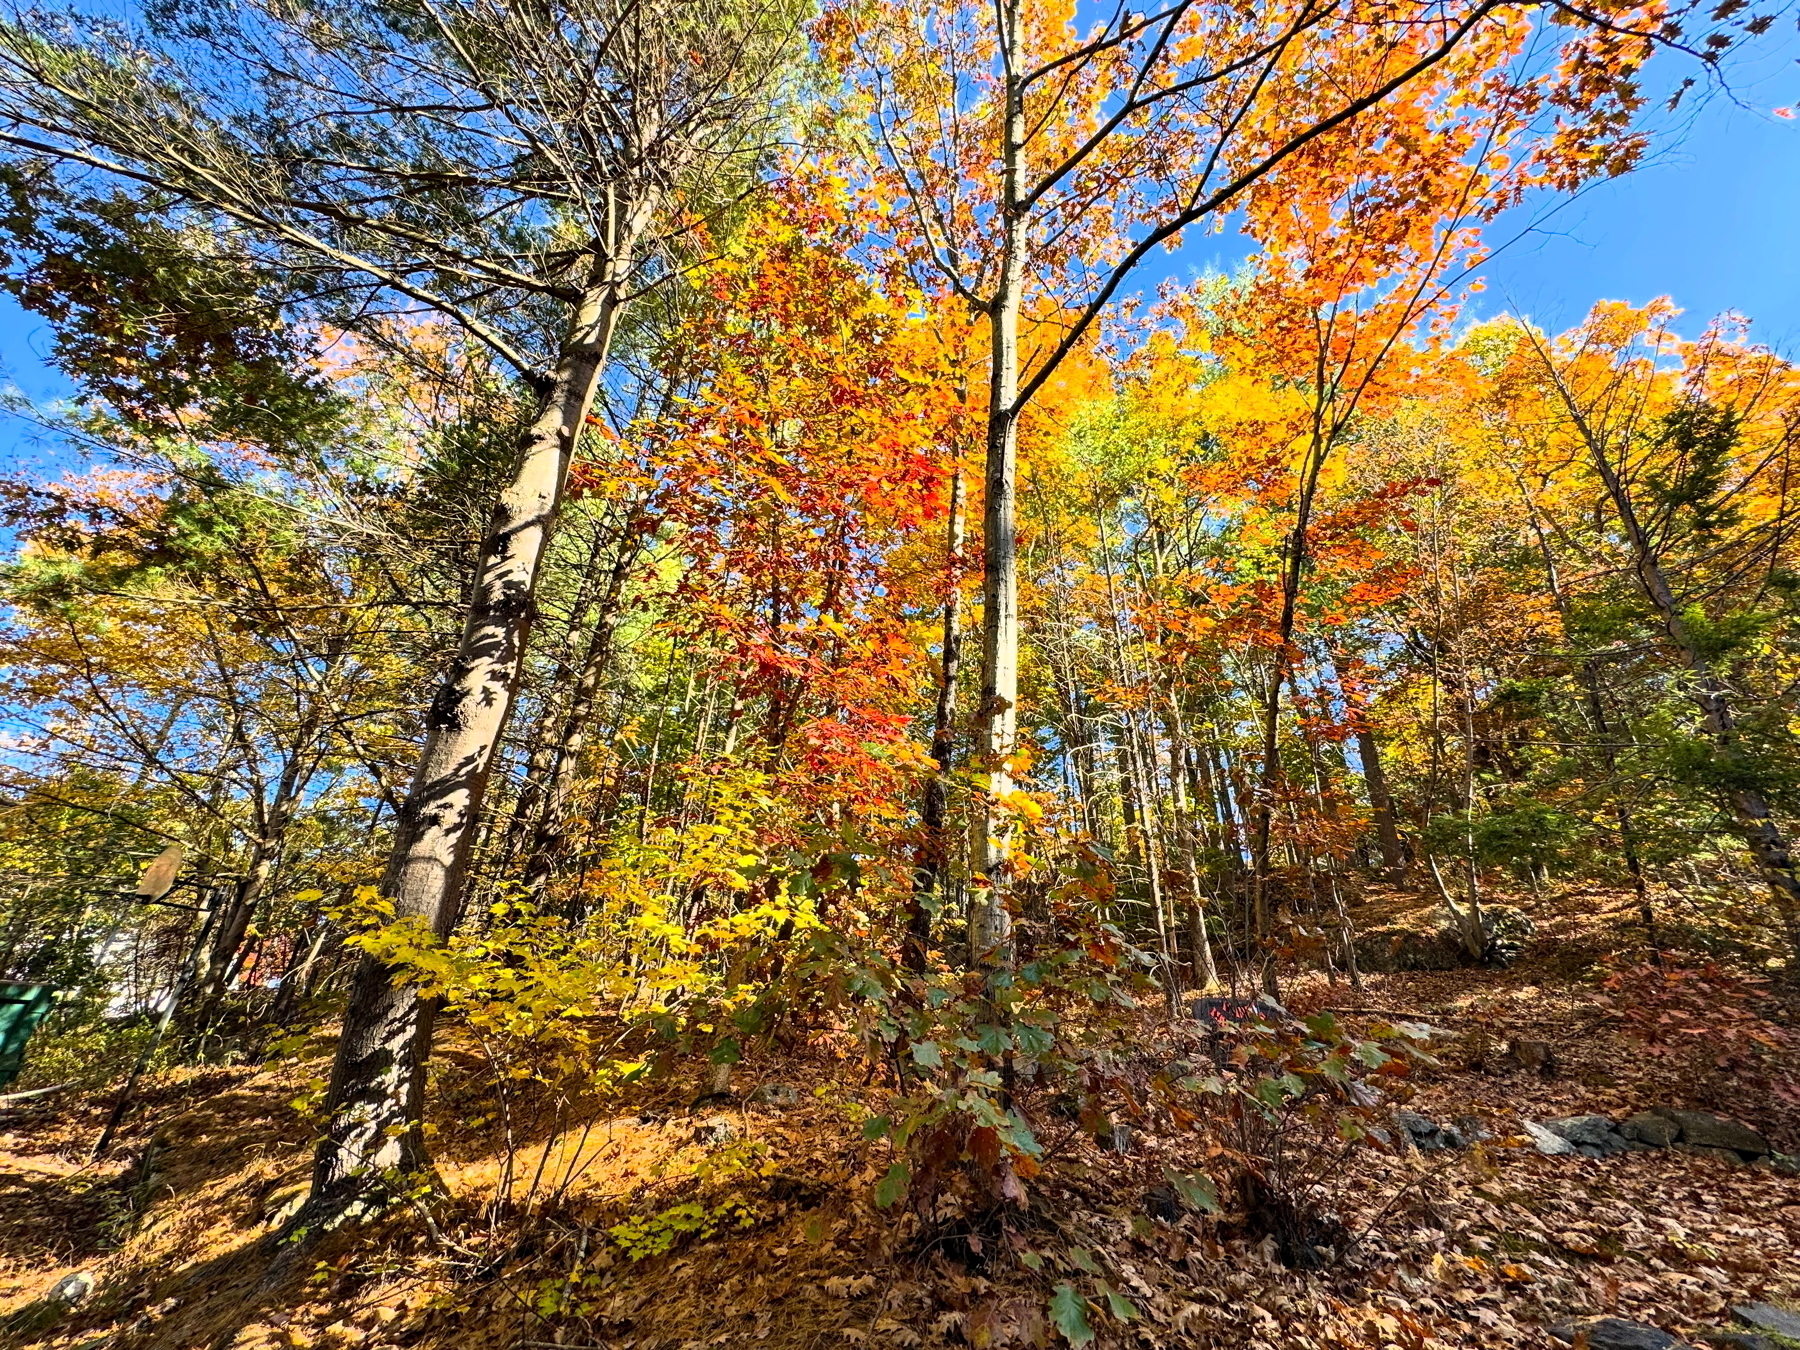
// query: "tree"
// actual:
[[1690, 463], [1037, 165], [510, 169]]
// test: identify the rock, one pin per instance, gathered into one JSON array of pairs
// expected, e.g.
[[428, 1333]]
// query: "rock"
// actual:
[[1400, 947], [1767, 1317], [1418, 1126], [1593, 1136], [775, 1094], [1427, 1135], [72, 1290], [1738, 1340], [1472, 1130], [1507, 928], [1589, 1129], [1723, 1155], [1160, 1202], [1615, 1333], [1395, 949], [1548, 1142], [716, 1131], [1650, 1129], [1706, 1130], [1532, 1057]]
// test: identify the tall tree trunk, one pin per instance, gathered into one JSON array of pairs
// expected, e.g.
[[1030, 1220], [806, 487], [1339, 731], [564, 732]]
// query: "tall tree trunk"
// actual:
[[376, 1098], [934, 847], [1387, 830], [997, 716], [1293, 568]]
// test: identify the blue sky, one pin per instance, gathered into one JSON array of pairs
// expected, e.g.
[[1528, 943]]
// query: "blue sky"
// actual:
[[1712, 219]]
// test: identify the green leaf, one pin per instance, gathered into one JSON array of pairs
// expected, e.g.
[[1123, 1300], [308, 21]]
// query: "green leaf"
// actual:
[[876, 1127], [926, 1053], [1019, 1135], [1033, 1040], [1120, 1306], [1068, 1312], [1195, 1188], [1032, 1260], [891, 1187], [1083, 1259], [726, 1052]]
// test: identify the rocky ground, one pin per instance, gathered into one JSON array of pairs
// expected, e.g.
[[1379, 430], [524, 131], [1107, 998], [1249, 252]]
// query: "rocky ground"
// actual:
[[1553, 1180]]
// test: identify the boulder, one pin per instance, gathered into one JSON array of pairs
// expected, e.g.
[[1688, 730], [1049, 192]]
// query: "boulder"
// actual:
[[779, 1095], [1705, 1130], [1650, 1129], [1428, 1136], [1593, 1136], [1547, 1142], [1738, 1340], [1403, 947], [1396, 949], [1615, 1333], [1723, 1155], [1507, 928], [1767, 1317], [718, 1130], [72, 1290]]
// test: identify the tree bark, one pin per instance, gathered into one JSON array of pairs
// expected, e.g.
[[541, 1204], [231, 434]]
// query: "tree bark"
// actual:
[[1387, 831], [934, 848], [375, 1102], [997, 717]]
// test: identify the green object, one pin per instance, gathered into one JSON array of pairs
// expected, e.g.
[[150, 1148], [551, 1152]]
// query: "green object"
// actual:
[[22, 1007]]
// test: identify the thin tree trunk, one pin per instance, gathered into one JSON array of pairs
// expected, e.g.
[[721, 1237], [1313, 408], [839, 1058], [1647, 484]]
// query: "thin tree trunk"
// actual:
[[1596, 705], [934, 847], [997, 716], [549, 838], [1387, 831], [1293, 569]]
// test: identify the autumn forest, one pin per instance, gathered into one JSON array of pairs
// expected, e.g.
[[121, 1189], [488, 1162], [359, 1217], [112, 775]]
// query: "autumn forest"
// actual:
[[672, 679]]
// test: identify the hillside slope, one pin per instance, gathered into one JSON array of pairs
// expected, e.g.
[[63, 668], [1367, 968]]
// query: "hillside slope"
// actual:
[[1463, 1246]]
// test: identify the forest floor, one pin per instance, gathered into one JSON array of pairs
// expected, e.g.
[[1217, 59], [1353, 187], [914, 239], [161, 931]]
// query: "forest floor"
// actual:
[[1486, 1246]]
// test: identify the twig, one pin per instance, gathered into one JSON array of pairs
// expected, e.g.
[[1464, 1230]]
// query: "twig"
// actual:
[[14, 1098]]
